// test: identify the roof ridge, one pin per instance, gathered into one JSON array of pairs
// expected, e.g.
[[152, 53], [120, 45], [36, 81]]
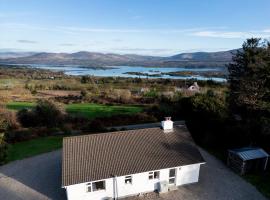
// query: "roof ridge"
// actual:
[[107, 133]]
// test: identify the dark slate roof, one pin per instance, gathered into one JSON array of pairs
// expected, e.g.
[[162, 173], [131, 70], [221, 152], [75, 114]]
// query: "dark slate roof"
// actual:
[[99, 156], [250, 153]]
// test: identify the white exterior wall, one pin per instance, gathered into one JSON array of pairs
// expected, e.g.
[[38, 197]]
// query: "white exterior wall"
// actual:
[[140, 184], [188, 174]]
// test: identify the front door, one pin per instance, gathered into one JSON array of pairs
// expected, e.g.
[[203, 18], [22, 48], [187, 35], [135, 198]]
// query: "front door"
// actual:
[[172, 176]]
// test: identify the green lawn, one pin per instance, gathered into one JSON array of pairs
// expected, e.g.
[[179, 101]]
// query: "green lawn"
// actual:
[[96, 110], [261, 182], [33, 147], [19, 105], [37, 146], [88, 110]]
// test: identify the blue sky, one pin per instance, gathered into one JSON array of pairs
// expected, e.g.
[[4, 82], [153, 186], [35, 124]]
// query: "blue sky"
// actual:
[[149, 27]]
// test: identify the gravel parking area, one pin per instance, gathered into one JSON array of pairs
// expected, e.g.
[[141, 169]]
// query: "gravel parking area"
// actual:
[[39, 178], [34, 178]]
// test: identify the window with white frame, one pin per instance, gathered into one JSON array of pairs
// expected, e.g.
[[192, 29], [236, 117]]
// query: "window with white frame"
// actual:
[[153, 175], [95, 186], [89, 187], [128, 180], [172, 176]]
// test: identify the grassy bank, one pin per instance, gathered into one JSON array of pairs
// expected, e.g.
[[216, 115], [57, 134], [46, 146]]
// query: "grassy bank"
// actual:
[[20, 150], [88, 110], [261, 182]]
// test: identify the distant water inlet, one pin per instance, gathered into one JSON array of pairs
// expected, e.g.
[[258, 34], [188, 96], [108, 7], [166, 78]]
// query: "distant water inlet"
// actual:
[[215, 74]]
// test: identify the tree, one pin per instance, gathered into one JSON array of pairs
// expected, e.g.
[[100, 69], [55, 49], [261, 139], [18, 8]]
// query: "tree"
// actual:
[[205, 115], [46, 113], [249, 78]]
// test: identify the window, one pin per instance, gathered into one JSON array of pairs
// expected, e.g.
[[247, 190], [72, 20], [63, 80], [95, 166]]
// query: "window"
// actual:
[[172, 176], [128, 180], [171, 180], [99, 185], [95, 186], [89, 187], [153, 175], [172, 173], [156, 175]]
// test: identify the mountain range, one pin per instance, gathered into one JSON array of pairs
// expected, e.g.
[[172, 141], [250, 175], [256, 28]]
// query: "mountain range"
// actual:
[[92, 59]]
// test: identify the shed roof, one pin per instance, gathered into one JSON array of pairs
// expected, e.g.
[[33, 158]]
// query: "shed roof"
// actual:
[[250, 153], [99, 156]]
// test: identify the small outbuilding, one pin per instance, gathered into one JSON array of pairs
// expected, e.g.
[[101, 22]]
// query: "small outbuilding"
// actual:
[[248, 159]]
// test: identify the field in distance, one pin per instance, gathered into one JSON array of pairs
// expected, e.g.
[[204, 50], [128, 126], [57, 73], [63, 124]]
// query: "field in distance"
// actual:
[[89, 110]]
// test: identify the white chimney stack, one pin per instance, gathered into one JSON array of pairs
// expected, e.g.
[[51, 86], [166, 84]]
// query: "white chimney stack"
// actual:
[[167, 124]]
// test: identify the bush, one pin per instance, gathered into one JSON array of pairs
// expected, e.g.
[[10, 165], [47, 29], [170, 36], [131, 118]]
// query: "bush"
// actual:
[[19, 135], [27, 118], [99, 124], [206, 116], [8, 120], [46, 113], [3, 149], [120, 95]]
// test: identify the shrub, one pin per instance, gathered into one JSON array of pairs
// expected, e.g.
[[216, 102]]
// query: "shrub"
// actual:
[[46, 113], [3, 149], [18, 135], [8, 120], [206, 117], [120, 95]]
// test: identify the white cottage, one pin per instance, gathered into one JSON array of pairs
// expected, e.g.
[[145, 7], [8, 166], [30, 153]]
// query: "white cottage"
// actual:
[[126, 163]]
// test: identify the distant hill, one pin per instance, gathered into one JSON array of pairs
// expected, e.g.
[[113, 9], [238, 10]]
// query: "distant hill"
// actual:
[[8, 54], [221, 56], [92, 59]]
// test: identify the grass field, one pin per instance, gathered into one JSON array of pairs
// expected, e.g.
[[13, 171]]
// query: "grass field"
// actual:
[[88, 110], [96, 110], [261, 182], [33, 147], [19, 105]]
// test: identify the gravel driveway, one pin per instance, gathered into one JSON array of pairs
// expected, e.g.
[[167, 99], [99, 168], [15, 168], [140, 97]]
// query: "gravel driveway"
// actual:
[[39, 178], [33, 178]]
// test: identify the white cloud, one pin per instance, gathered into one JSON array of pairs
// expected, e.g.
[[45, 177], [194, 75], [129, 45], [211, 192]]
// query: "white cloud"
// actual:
[[67, 44], [15, 14], [27, 41], [78, 30], [233, 34], [136, 17]]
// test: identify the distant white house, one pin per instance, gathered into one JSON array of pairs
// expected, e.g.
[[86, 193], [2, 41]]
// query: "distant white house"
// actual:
[[126, 163], [194, 87]]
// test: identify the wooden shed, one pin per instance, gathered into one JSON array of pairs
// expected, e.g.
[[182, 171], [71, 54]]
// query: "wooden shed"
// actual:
[[248, 159]]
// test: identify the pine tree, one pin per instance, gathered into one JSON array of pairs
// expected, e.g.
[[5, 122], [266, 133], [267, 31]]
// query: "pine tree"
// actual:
[[249, 78]]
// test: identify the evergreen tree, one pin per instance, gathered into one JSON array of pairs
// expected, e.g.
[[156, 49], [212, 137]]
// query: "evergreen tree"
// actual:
[[249, 78]]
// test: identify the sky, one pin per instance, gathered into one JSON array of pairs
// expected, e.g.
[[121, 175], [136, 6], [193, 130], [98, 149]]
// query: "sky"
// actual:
[[147, 27]]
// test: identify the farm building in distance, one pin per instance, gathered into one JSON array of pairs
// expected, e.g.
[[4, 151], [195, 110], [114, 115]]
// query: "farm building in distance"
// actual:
[[126, 163], [245, 160]]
